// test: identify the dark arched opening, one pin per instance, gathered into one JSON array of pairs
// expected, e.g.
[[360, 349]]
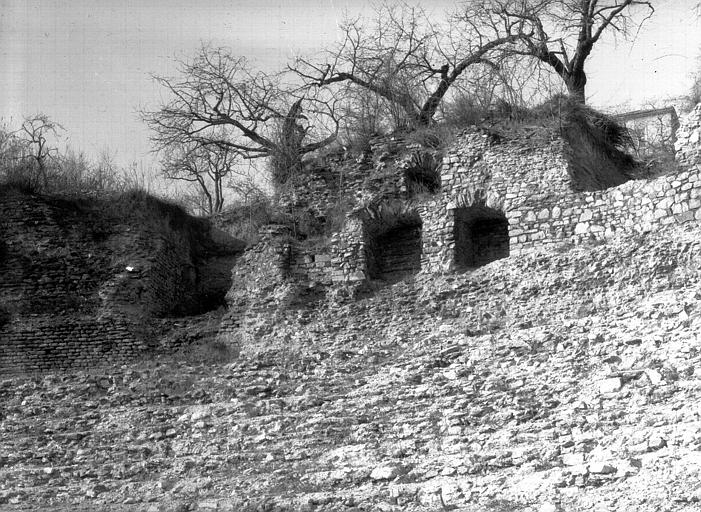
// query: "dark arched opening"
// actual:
[[395, 248], [481, 236]]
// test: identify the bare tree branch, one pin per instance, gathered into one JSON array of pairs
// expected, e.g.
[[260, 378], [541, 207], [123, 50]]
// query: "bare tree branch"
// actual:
[[577, 26], [404, 57], [218, 101]]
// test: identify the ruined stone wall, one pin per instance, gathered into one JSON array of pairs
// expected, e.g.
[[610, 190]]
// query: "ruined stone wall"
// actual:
[[261, 282], [391, 171], [509, 173], [50, 342], [688, 144], [504, 176], [385, 170], [541, 209], [152, 275], [636, 206], [280, 273], [497, 198], [77, 289], [336, 178]]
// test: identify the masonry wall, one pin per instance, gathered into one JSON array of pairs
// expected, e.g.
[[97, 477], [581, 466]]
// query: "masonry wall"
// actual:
[[505, 176], [156, 275], [378, 172], [688, 138], [280, 273], [637, 206], [77, 289], [50, 342], [542, 212]]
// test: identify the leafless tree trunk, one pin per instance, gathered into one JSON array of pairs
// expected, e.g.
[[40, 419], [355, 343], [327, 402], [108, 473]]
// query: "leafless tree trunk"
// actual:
[[562, 33], [204, 165]]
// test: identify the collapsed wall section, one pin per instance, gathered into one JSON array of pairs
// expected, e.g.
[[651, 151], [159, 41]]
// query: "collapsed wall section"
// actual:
[[496, 198], [391, 168]]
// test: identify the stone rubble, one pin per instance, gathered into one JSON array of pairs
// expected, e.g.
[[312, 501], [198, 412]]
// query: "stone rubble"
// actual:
[[564, 381]]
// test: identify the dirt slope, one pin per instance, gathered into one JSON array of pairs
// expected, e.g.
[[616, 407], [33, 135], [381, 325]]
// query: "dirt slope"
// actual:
[[565, 381]]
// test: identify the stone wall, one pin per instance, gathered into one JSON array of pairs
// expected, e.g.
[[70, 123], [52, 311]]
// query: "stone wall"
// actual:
[[78, 288], [50, 342], [500, 197], [482, 173], [544, 211], [391, 168], [497, 197], [280, 273], [688, 143]]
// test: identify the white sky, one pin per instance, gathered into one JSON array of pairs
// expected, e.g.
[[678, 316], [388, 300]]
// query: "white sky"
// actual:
[[87, 63]]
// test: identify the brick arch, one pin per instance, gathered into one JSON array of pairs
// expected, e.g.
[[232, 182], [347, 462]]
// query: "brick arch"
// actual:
[[478, 198]]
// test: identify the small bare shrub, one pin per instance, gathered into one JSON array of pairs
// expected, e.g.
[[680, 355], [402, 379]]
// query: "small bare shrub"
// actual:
[[242, 220], [462, 111]]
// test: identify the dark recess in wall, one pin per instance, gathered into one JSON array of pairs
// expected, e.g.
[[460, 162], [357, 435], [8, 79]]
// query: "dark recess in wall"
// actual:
[[397, 252], [481, 236]]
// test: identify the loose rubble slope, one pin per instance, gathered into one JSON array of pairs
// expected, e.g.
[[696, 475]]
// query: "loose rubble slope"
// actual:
[[562, 381]]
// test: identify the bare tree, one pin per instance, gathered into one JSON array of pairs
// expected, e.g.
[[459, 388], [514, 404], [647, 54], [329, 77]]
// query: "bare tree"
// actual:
[[561, 34], [404, 57], [204, 165], [36, 134], [217, 100]]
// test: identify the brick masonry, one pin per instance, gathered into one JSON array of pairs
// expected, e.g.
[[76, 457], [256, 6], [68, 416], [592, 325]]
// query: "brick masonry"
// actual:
[[78, 289]]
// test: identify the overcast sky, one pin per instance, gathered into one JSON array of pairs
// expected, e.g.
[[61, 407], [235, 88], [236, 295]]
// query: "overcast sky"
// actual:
[[87, 63]]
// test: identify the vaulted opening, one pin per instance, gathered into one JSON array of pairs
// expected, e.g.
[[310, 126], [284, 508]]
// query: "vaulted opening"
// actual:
[[481, 236], [398, 252], [395, 249]]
